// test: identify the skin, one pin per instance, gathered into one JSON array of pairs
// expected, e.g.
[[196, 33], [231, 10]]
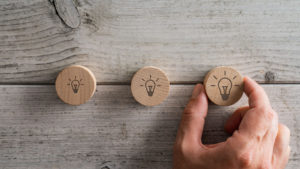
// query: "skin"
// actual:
[[258, 141]]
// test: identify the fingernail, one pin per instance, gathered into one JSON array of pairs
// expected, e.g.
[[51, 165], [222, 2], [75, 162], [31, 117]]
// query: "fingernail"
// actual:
[[197, 90]]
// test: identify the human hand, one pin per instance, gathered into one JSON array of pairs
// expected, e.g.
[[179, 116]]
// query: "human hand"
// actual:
[[258, 140]]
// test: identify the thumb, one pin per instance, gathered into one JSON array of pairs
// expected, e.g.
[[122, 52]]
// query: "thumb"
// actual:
[[193, 117]]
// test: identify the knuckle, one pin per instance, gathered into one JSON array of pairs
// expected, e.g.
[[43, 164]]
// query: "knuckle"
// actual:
[[245, 159], [189, 109], [262, 110], [238, 137], [242, 154], [285, 129], [274, 115], [259, 138], [184, 148], [268, 113]]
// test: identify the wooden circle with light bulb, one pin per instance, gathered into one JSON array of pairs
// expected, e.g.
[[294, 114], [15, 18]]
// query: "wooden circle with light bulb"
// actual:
[[224, 85], [75, 85], [150, 86]]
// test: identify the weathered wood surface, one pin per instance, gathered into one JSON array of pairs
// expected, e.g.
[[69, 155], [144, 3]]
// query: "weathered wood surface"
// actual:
[[37, 130], [185, 38]]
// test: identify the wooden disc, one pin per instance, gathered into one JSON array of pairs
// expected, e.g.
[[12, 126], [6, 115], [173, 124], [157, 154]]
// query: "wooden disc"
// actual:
[[224, 85], [150, 86], [75, 85]]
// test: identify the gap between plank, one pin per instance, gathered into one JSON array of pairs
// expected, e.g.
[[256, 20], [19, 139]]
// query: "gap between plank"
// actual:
[[128, 83]]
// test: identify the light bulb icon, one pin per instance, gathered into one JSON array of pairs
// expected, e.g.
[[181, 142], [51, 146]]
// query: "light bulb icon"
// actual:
[[75, 84], [225, 86], [150, 85]]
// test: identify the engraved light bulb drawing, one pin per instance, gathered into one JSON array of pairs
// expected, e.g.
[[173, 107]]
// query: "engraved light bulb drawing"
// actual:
[[224, 83], [75, 84], [225, 86], [150, 85]]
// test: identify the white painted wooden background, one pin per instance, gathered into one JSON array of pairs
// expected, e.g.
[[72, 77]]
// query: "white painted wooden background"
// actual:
[[185, 38]]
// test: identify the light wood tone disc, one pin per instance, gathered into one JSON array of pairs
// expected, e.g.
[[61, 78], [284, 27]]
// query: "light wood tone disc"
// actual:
[[224, 85], [75, 85], [150, 86]]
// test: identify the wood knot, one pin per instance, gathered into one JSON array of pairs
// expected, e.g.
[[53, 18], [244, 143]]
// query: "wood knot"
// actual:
[[67, 12], [269, 76]]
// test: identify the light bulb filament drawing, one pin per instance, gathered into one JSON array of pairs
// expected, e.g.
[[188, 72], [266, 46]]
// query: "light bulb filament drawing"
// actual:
[[150, 85], [75, 84]]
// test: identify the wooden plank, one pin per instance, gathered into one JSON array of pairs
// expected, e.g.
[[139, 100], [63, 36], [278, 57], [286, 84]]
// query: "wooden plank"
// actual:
[[185, 38], [37, 130]]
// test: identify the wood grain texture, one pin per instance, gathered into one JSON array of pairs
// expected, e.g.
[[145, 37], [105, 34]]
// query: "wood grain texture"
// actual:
[[185, 38], [37, 130], [75, 85], [150, 86], [223, 85]]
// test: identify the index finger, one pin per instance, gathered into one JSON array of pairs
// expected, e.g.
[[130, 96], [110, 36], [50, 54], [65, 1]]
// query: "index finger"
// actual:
[[256, 94]]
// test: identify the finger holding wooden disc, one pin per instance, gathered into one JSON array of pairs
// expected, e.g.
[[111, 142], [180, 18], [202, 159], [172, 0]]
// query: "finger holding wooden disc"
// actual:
[[224, 85], [75, 85], [150, 86]]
